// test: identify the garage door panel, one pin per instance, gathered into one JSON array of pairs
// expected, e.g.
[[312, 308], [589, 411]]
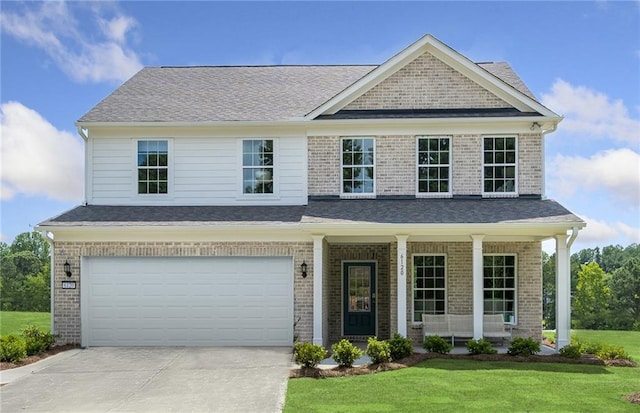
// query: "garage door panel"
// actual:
[[201, 301]]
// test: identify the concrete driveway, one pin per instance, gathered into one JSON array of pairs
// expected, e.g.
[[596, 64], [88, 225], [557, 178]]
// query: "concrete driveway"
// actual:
[[158, 379]]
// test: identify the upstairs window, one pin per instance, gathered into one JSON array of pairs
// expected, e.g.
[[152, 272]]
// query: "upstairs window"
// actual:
[[153, 167], [499, 171], [257, 166], [434, 165], [358, 166]]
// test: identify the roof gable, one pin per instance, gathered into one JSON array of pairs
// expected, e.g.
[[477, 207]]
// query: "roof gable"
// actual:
[[426, 67]]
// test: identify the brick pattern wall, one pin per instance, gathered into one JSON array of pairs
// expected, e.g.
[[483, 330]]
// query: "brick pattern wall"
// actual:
[[67, 302], [460, 281], [427, 83], [530, 163], [466, 173], [378, 253], [395, 165], [324, 165]]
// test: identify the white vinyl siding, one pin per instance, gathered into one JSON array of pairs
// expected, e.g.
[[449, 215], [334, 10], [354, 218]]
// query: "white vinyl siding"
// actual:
[[204, 171]]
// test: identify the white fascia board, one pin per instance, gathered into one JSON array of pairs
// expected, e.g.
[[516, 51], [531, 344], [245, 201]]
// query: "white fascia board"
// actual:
[[169, 233], [430, 44]]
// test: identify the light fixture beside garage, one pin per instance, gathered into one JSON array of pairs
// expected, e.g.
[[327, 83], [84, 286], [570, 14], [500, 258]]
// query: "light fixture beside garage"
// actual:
[[303, 268], [67, 268]]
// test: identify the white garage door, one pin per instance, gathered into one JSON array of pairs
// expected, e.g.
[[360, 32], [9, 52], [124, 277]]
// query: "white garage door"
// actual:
[[195, 301]]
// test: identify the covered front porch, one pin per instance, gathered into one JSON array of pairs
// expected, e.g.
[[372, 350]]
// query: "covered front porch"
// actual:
[[377, 278]]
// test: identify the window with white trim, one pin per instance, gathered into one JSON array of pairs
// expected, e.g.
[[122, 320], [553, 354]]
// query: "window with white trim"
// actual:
[[499, 164], [358, 166], [499, 285], [153, 166], [429, 285], [434, 165], [257, 166]]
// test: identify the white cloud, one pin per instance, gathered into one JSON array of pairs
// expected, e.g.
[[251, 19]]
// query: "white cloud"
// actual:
[[592, 113], [607, 233], [83, 56], [37, 158], [615, 171]]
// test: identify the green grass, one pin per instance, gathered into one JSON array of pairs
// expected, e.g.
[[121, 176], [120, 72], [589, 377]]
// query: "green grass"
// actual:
[[467, 385], [12, 322]]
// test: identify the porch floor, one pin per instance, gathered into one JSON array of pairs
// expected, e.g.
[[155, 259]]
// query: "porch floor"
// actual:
[[330, 363]]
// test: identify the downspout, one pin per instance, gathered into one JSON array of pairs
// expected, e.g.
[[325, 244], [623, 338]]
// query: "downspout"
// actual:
[[574, 234], [52, 281], [83, 134], [543, 149]]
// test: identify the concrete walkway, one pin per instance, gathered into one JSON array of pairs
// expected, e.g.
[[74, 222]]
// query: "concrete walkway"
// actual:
[[158, 379]]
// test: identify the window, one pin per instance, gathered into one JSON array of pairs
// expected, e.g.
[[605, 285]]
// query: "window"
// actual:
[[257, 166], [499, 164], [358, 169], [434, 163], [153, 167], [500, 285], [429, 285]]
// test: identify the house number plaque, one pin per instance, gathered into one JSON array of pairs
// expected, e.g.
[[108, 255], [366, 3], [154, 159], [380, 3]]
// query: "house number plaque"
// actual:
[[68, 285]]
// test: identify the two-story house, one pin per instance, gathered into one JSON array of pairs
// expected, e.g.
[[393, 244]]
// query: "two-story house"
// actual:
[[247, 205]]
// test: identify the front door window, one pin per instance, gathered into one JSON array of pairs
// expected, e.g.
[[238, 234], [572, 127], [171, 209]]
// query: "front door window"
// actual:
[[359, 299]]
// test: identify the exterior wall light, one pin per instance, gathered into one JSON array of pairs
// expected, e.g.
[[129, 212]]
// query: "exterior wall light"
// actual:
[[67, 268], [303, 268]]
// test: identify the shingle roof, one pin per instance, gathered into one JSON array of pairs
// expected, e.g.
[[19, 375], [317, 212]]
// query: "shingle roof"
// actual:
[[381, 211], [237, 93]]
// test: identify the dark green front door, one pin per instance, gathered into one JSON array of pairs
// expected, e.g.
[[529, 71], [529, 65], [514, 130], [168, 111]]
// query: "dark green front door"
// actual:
[[359, 299]]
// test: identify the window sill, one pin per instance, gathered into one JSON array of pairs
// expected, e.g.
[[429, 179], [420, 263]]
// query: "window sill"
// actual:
[[357, 196]]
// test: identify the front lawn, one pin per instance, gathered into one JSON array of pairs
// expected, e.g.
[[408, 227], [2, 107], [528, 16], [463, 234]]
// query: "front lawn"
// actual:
[[467, 385], [12, 322]]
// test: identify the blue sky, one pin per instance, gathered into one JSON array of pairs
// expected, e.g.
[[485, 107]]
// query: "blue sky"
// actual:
[[581, 59]]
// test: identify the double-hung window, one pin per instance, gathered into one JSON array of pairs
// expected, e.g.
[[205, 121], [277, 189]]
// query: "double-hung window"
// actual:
[[434, 165], [153, 166], [499, 165], [358, 166], [499, 281], [257, 166], [429, 285]]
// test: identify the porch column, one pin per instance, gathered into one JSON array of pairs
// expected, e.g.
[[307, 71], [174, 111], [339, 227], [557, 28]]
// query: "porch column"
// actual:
[[563, 293], [402, 284], [478, 296], [317, 289]]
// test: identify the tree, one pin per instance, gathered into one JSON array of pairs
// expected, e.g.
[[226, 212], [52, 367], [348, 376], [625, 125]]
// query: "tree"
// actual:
[[591, 301], [625, 295], [33, 242], [549, 290]]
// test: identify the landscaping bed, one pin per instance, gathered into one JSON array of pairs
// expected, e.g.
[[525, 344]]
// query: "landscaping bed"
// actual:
[[5, 365]]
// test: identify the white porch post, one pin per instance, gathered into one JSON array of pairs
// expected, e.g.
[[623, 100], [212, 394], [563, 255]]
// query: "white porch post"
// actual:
[[317, 289], [478, 297], [563, 293], [402, 284]]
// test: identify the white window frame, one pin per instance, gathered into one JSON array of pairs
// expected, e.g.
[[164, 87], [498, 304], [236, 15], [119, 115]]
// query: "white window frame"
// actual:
[[344, 194], [449, 165], [414, 281], [515, 284], [509, 194], [275, 174], [170, 173]]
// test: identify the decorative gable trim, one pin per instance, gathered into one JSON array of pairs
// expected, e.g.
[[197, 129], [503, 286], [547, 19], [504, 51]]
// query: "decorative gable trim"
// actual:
[[429, 44]]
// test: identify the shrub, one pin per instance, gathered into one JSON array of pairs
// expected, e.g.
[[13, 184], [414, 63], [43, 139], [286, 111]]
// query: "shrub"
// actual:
[[590, 348], [345, 353], [521, 346], [378, 350], [480, 346], [401, 347], [609, 352], [572, 351], [309, 355], [437, 344], [12, 348], [37, 340], [635, 326]]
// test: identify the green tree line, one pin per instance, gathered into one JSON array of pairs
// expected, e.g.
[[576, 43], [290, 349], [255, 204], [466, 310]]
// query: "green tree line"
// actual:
[[25, 274], [605, 288]]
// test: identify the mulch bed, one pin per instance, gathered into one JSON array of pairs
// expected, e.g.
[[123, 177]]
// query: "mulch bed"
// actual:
[[5, 365], [419, 357], [633, 398]]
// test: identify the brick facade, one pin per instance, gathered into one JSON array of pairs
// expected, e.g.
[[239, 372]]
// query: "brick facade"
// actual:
[[396, 164], [67, 302], [427, 83]]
